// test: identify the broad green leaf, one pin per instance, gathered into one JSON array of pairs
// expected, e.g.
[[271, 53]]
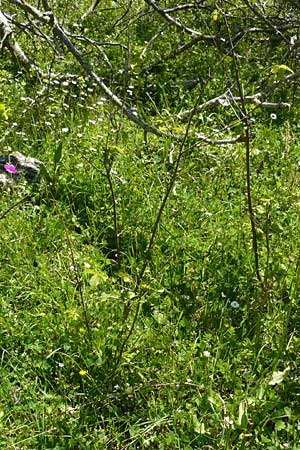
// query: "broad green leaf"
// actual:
[[97, 278], [280, 425], [243, 417], [281, 67], [199, 427], [216, 15], [57, 154], [126, 278], [215, 399], [3, 112], [280, 70]]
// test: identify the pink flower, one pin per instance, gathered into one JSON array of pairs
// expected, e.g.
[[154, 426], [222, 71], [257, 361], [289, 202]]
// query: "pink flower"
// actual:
[[10, 168]]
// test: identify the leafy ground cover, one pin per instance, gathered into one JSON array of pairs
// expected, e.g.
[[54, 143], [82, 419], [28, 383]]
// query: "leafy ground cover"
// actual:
[[114, 336], [212, 360]]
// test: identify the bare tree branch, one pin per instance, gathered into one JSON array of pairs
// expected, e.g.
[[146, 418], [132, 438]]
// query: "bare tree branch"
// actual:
[[62, 35], [187, 6], [263, 16], [225, 141], [287, 79], [59, 33], [175, 22], [159, 33], [227, 99], [45, 18], [90, 9], [182, 48], [8, 41]]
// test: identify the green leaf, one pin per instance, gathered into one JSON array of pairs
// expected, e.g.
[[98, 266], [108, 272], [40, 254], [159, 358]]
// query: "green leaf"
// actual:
[[125, 277], [98, 278], [280, 70], [243, 417], [3, 111], [216, 15], [45, 174], [95, 280], [199, 427], [215, 400], [58, 154], [280, 425], [117, 148]]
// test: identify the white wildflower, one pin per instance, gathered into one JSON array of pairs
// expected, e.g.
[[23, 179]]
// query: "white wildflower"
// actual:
[[234, 304]]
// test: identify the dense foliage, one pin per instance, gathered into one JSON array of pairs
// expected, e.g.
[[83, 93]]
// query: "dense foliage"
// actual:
[[149, 285]]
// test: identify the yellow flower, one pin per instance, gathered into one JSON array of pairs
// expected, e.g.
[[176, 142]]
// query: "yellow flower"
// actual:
[[83, 373]]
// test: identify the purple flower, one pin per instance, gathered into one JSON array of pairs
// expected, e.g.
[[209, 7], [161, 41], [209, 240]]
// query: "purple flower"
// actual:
[[10, 168]]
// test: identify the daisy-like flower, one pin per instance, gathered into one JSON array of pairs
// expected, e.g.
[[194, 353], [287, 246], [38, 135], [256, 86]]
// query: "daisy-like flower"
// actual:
[[83, 373], [234, 304], [10, 168]]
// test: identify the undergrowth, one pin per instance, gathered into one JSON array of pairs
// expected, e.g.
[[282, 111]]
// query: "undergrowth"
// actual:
[[118, 335]]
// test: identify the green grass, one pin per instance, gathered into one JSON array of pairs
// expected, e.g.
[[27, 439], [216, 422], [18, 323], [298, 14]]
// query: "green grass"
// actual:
[[196, 371], [194, 354]]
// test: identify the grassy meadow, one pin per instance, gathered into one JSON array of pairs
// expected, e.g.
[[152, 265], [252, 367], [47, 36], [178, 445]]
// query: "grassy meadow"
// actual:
[[133, 315]]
